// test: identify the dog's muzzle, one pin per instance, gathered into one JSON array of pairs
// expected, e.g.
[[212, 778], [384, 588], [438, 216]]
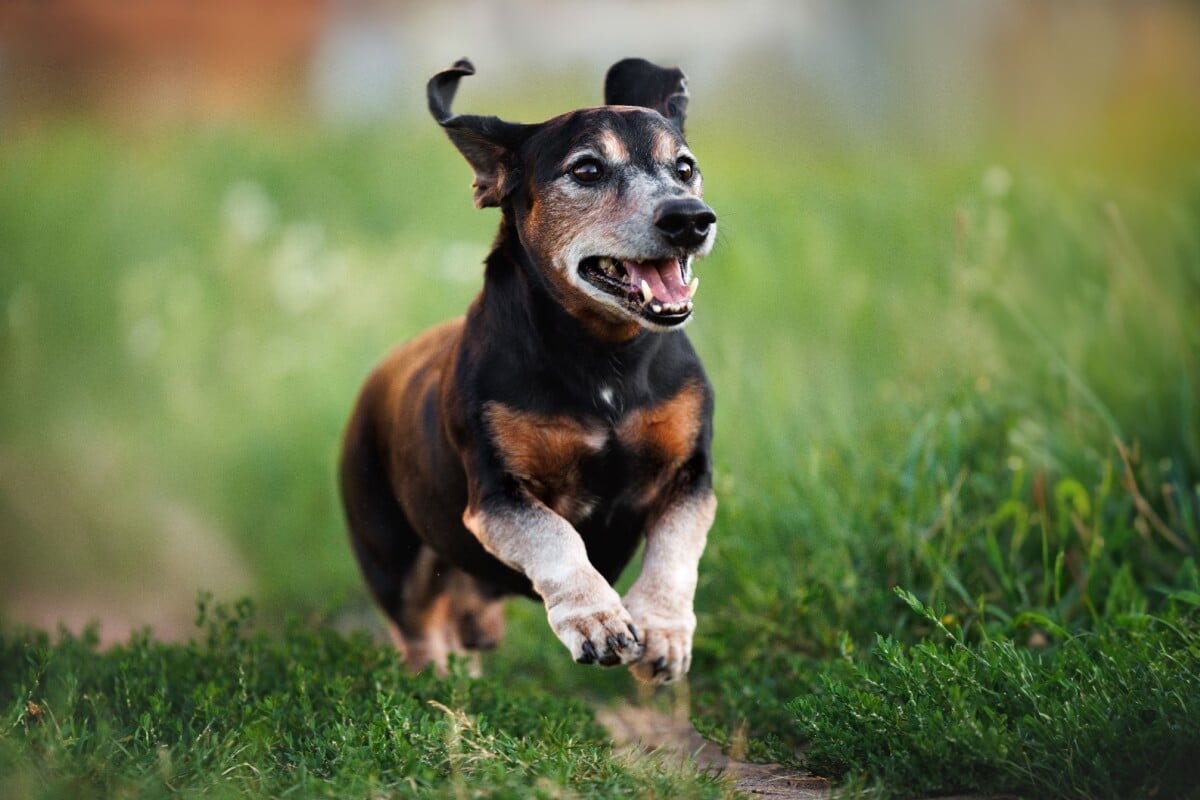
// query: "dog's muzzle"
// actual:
[[659, 286]]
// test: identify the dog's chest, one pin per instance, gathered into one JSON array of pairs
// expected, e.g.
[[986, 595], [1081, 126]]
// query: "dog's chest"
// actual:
[[578, 465]]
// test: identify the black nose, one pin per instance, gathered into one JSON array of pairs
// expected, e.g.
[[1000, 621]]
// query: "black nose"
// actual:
[[684, 223]]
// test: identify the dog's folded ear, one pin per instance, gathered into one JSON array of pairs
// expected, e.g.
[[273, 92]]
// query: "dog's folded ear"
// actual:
[[488, 143], [637, 82]]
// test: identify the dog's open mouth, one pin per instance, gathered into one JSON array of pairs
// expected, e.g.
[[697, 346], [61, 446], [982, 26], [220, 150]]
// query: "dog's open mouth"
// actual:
[[660, 290]]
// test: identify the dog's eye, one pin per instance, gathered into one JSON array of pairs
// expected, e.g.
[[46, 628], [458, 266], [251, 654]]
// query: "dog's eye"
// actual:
[[685, 170], [587, 171]]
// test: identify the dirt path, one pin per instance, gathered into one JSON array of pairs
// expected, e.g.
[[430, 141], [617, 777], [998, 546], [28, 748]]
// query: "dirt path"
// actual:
[[670, 735], [641, 728]]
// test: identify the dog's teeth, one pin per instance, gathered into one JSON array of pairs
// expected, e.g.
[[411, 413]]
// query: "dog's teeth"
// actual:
[[693, 286], [656, 308], [647, 295], [687, 306]]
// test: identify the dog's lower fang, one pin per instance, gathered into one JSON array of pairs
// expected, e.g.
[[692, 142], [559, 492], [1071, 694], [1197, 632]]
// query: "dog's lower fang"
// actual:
[[658, 281], [647, 295], [657, 287]]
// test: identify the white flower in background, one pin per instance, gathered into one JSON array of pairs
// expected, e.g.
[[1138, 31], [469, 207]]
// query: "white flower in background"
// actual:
[[248, 212], [303, 270], [145, 338], [996, 182]]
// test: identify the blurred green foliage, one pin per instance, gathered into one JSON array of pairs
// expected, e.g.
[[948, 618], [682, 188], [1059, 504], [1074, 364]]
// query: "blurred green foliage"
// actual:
[[976, 380]]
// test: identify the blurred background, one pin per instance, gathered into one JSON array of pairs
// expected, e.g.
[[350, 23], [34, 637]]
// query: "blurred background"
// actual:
[[215, 216], [864, 71]]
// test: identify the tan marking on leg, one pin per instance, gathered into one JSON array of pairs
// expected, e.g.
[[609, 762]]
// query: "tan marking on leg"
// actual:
[[427, 632], [430, 643], [665, 434], [477, 617], [396, 636], [445, 612], [546, 452], [668, 428]]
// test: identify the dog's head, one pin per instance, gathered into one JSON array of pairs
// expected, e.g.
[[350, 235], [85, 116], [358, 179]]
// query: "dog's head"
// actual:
[[606, 200]]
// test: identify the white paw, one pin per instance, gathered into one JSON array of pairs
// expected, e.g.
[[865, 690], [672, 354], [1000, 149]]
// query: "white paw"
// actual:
[[596, 628], [666, 643]]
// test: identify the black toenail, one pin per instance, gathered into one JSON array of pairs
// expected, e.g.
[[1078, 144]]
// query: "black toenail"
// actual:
[[589, 653]]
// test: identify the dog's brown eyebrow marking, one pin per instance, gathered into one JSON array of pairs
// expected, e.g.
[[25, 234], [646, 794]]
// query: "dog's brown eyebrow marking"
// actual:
[[666, 147], [607, 145], [612, 146]]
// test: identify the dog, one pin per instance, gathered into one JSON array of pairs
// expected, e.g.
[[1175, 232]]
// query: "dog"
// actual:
[[530, 446]]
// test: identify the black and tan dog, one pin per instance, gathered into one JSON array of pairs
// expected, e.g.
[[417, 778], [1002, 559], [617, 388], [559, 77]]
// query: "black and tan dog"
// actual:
[[529, 447]]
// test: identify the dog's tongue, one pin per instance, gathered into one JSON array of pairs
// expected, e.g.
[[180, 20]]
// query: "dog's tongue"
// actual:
[[664, 277]]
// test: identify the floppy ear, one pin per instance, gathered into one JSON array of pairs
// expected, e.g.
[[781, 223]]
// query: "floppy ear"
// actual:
[[637, 82], [488, 143]]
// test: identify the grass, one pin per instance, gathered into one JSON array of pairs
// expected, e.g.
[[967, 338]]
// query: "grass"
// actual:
[[1114, 713], [305, 713], [976, 382]]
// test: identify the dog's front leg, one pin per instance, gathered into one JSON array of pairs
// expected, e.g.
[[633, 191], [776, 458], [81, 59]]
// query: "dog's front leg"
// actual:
[[585, 612], [661, 598]]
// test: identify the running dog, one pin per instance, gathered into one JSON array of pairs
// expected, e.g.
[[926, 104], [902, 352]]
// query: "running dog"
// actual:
[[530, 446]]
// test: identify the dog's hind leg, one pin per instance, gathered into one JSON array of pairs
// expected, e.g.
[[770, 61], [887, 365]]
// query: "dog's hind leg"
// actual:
[[446, 611], [424, 630], [384, 542], [477, 613]]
